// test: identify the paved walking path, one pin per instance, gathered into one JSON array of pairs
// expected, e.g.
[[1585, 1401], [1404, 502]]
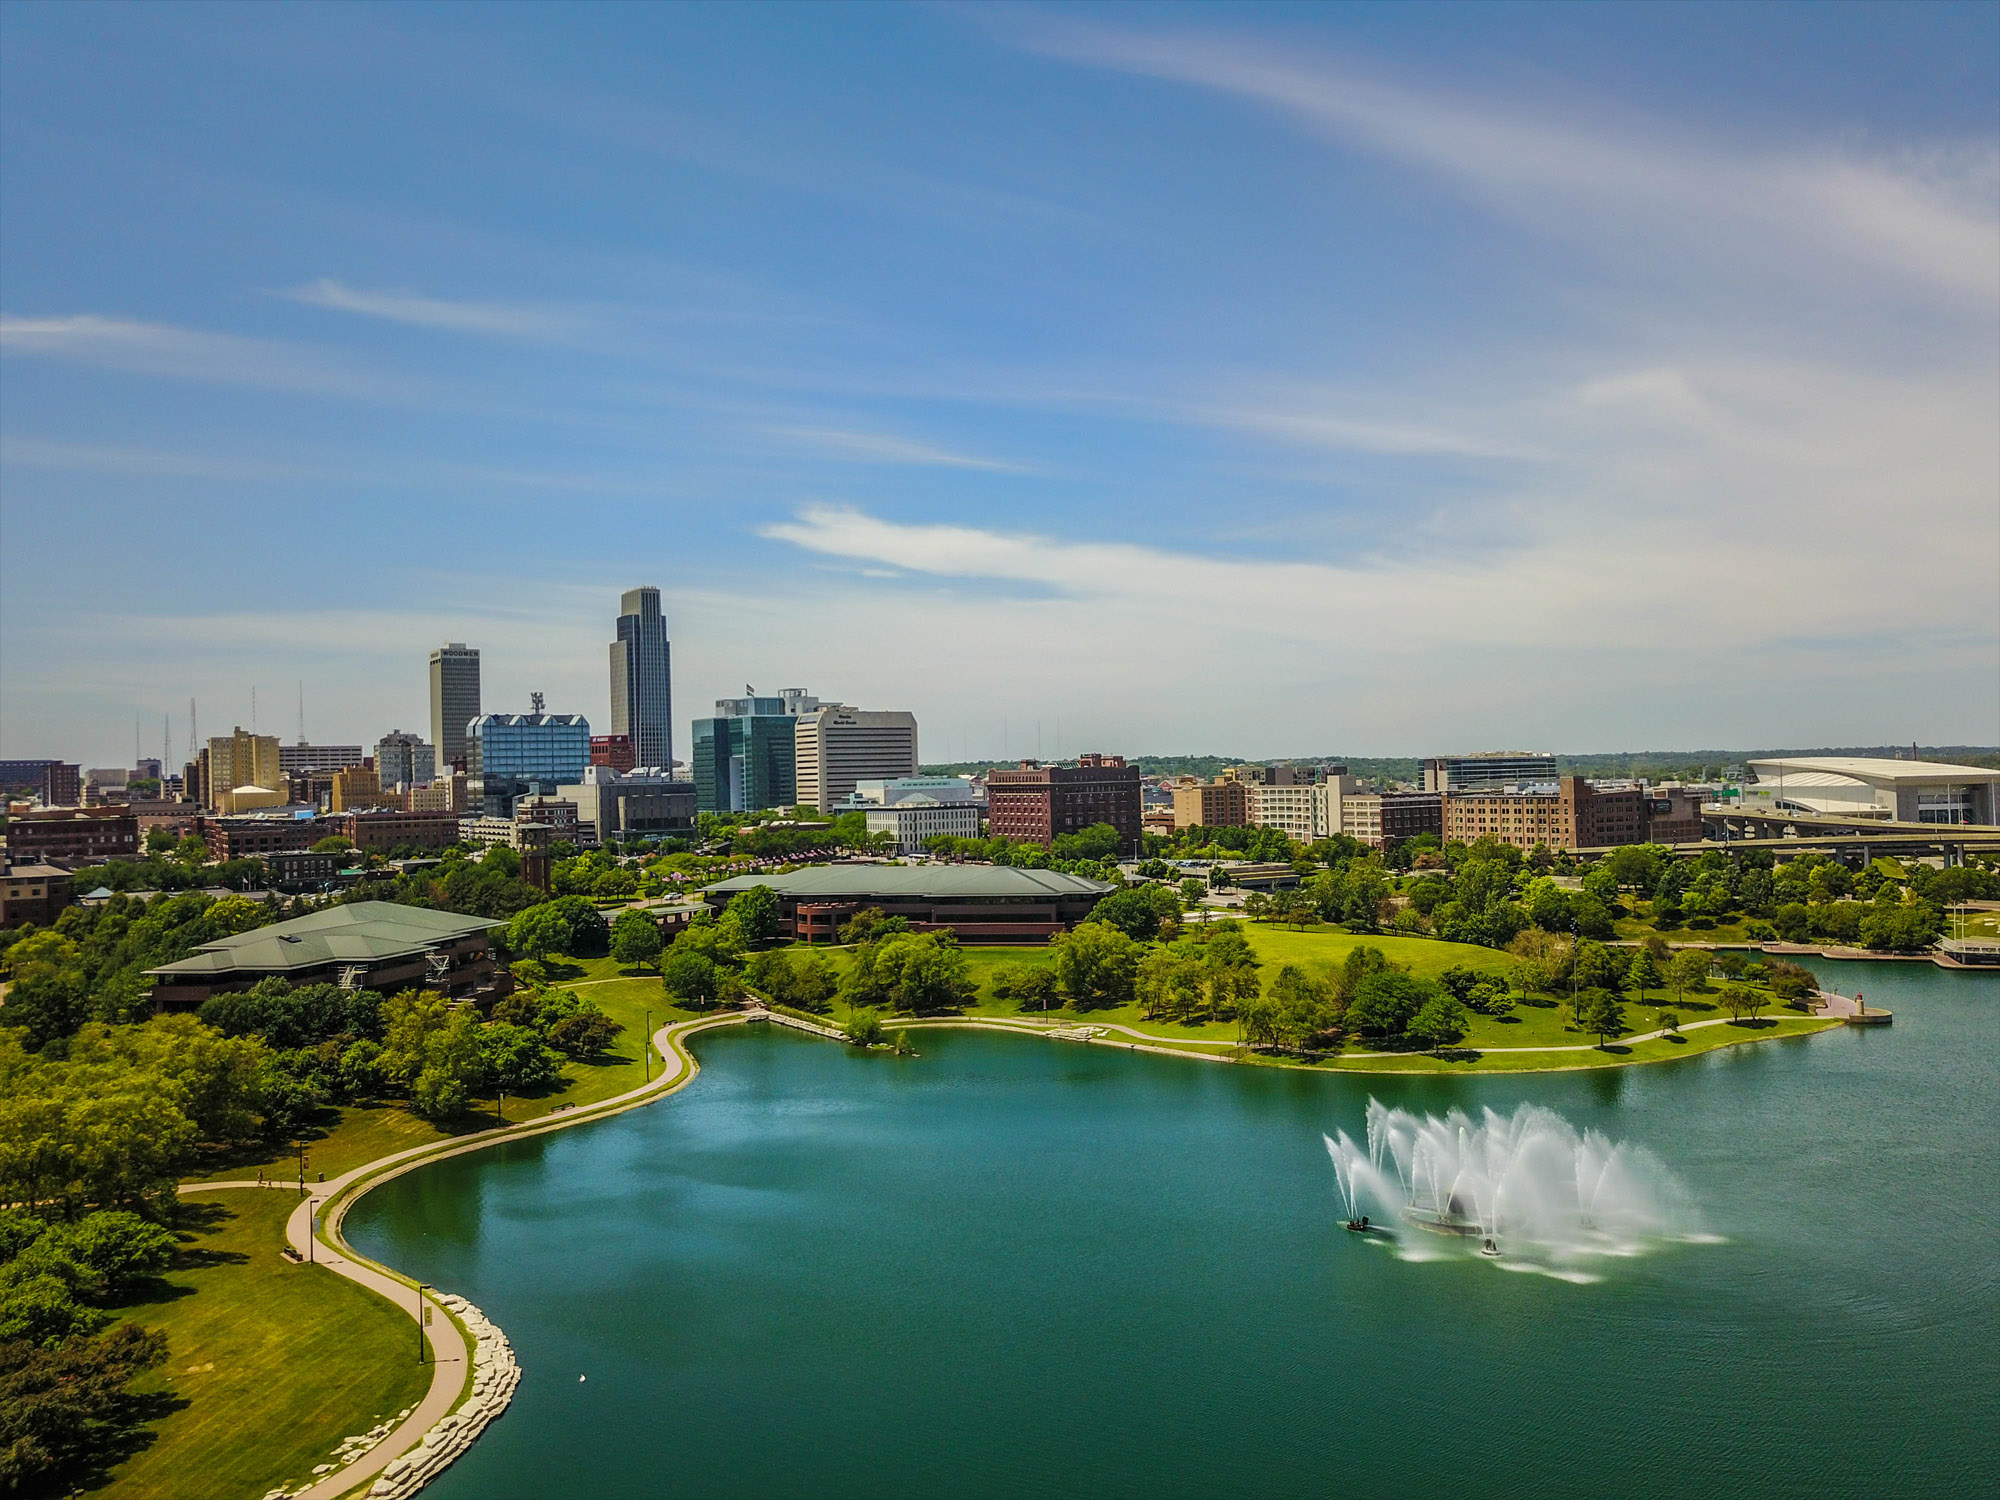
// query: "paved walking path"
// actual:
[[451, 1351]]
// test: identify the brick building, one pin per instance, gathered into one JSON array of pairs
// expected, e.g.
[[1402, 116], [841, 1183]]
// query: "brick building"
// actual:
[[613, 750], [1038, 804], [382, 829], [33, 892], [252, 837], [56, 782], [1572, 814], [73, 835]]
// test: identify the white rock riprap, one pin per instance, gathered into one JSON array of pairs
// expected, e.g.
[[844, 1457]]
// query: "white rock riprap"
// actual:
[[494, 1376]]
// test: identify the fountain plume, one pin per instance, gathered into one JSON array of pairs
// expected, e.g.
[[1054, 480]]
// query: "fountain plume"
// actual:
[[1549, 1196]]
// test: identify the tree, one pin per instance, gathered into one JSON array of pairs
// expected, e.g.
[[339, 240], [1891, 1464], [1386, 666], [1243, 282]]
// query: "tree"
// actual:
[[1738, 999], [540, 932], [1688, 970], [1386, 1000], [587, 1033], [62, 1409], [814, 982], [635, 939], [770, 974], [757, 913], [870, 922], [1303, 1006], [1598, 1011], [1097, 842], [1792, 983], [689, 977], [516, 1058], [1097, 965], [1644, 974], [333, 843], [1138, 910], [454, 1064], [117, 1247], [1439, 1020], [924, 973], [1028, 986]]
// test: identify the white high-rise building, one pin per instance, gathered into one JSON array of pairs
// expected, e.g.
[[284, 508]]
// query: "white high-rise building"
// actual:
[[836, 746], [404, 760]]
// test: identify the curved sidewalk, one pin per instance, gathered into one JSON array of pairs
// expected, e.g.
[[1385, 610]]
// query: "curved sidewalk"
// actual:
[[450, 1348]]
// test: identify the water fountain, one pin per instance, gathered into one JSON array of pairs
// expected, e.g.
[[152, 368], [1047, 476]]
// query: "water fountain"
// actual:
[[1530, 1189]]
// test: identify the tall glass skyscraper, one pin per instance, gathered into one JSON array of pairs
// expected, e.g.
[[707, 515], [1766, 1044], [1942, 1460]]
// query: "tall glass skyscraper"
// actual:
[[642, 698]]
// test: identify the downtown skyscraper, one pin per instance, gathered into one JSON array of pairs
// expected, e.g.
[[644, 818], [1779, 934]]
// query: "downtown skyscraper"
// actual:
[[642, 699], [454, 700]]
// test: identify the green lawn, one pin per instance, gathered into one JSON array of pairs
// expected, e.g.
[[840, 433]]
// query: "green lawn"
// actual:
[[1635, 929], [1322, 949], [275, 1363]]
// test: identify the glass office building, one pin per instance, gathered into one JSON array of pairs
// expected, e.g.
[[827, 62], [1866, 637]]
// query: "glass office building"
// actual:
[[511, 756], [744, 764]]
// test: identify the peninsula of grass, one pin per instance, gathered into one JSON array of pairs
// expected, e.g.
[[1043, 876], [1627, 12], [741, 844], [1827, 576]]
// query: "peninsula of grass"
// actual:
[[1536, 1022], [269, 1364]]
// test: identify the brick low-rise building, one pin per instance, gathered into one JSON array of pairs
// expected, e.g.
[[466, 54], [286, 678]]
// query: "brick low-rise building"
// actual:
[[978, 903], [33, 892], [382, 829], [253, 837], [73, 835], [1038, 804]]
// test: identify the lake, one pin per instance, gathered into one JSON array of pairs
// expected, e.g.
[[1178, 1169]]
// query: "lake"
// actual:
[[1012, 1267]]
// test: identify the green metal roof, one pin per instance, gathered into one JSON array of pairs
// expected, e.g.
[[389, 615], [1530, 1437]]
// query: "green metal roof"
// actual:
[[361, 932], [838, 882]]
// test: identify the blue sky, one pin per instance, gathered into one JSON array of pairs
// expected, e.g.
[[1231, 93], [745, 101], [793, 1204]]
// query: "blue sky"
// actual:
[[1362, 380]]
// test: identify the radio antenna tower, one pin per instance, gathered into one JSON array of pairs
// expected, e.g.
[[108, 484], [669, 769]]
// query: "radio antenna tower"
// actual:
[[253, 708], [166, 742], [302, 710], [194, 745]]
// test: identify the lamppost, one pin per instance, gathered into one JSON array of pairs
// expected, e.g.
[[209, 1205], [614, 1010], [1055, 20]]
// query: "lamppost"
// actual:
[[300, 1147], [500, 1105], [423, 1317], [646, 1046]]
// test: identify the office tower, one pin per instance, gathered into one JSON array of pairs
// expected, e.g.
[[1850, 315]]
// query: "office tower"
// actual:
[[404, 760], [454, 700], [836, 746], [512, 756], [642, 700], [743, 757], [242, 759], [297, 759]]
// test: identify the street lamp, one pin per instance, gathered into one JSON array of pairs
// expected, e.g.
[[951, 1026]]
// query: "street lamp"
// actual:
[[646, 1046], [423, 1317]]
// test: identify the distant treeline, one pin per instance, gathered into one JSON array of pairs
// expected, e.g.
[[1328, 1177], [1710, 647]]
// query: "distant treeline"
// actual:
[[1655, 765]]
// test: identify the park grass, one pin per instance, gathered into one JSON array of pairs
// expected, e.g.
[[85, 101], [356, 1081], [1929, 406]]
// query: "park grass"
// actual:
[[1469, 1059], [1638, 929], [1321, 949], [270, 1363]]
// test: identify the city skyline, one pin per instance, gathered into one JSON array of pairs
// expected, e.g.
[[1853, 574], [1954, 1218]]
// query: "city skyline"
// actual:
[[1343, 374]]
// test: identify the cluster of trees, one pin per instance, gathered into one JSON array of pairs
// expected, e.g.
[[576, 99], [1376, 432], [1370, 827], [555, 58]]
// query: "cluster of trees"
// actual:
[[90, 965], [703, 965], [57, 1274], [1092, 853]]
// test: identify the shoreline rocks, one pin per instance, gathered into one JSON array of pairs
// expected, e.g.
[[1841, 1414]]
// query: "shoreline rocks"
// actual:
[[495, 1374]]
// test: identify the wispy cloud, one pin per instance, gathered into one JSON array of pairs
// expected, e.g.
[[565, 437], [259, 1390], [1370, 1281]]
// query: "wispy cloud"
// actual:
[[192, 354], [494, 319], [882, 448], [99, 458], [1578, 173]]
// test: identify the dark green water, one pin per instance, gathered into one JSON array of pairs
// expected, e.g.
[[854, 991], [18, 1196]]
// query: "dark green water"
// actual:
[[1015, 1268]]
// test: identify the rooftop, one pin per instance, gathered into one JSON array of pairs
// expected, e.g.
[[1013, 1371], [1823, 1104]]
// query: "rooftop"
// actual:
[[361, 932], [937, 881], [1868, 768]]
